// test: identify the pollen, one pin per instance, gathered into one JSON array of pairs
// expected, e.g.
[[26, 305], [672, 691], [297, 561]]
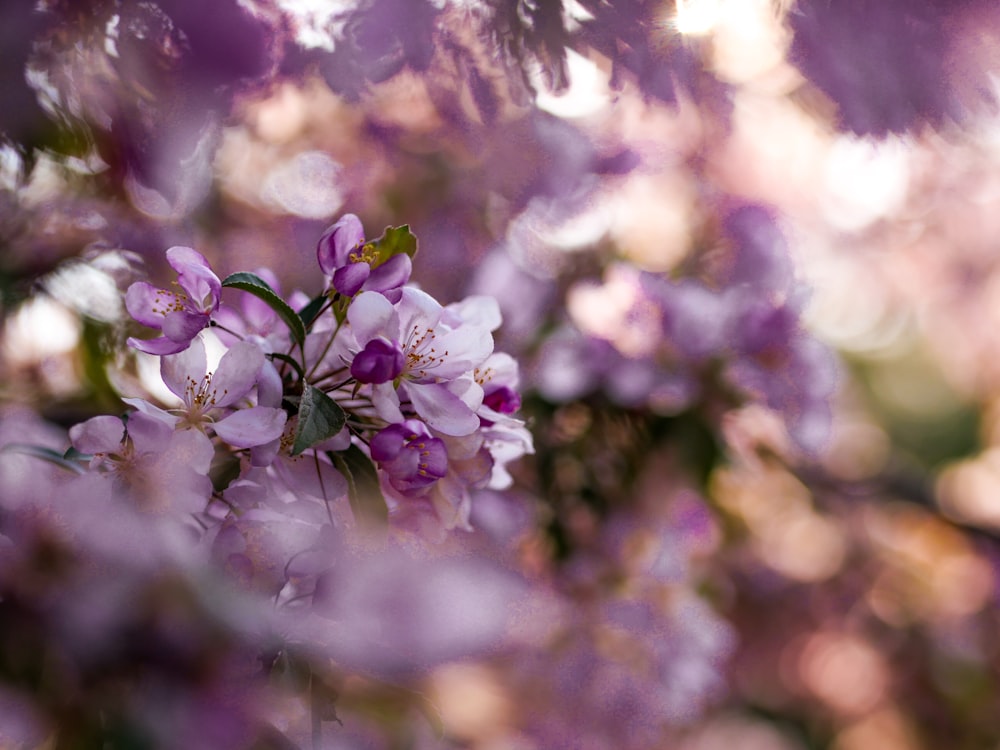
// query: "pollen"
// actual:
[[367, 255], [482, 377], [167, 302], [201, 395]]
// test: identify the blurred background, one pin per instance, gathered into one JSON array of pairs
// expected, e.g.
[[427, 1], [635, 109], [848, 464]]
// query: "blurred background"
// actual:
[[746, 253]]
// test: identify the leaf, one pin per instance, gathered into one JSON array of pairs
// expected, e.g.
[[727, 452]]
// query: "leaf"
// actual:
[[290, 361], [394, 241], [320, 418], [311, 310], [45, 454], [364, 491], [259, 288]]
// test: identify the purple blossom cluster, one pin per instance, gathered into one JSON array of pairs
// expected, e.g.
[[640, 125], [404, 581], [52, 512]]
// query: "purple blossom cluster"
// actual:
[[274, 505], [725, 335], [372, 369]]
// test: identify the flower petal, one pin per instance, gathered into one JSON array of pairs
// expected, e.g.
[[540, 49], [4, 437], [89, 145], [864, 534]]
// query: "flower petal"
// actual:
[[338, 241], [390, 275], [144, 302], [103, 434], [379, 362], [249, 427], [386, 402], [152, 411], [196, 278], [417, 309], [348, 279], [182, 326], [237, 372], [478, 310], [148, 433], [442, 409], [178, 370], [371, 315], [160, 346]]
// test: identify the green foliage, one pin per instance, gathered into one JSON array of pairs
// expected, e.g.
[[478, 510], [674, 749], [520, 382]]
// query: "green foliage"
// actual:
[[395, 241], [311, 311], [256, 286], [320, 418], [63, 461], [367, 500]]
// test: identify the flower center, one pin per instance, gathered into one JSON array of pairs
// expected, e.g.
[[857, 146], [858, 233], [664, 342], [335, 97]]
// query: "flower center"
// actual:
[[366, 254], [421, 355], [200, 396], [166, 301]]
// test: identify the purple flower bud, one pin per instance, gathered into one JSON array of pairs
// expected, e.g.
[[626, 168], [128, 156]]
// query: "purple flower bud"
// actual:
[[410, 457], [503, 400], [379, 362]]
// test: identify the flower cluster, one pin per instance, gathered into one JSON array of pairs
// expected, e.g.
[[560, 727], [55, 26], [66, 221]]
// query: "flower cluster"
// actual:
[[730, 333], [370, 402]]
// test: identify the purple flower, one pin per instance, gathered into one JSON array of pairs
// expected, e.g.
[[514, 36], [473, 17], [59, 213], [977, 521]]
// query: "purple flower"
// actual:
[[355, 266], [160, 468], [409, 455], [179, 315], [379, 362], [440, 349], [205, 394]]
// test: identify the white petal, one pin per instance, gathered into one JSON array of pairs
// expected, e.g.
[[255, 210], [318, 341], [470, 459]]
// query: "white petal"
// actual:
[[178, 370]]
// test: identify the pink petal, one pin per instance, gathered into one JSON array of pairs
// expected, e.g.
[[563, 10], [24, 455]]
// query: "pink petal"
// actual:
[[442, 409], [195, 277], [467, 347], [102, 434], [371, 315], [417, 309], [160, 346], [390, 275], [386, 402], [479, 310], [348, 279], [237, 372], [143, 302], [191, 449], [249, 427], [149, 434], [182, 326], [178, 370], [338, 241], [152, 411]]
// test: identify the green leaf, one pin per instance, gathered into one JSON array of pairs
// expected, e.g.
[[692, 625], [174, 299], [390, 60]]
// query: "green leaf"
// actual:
[[311, 310], [367, 500], [395, 240], [45, 454], [290, 361], [259, 288], [319, 418]]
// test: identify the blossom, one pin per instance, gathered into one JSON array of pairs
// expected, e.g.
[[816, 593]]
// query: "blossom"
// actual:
[[356, 266], [179, 315], [159, 468], [204, 394], [440, 350], [410, 456]]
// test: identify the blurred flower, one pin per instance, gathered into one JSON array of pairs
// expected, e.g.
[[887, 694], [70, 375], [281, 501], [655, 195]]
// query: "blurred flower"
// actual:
[[160, 469]]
